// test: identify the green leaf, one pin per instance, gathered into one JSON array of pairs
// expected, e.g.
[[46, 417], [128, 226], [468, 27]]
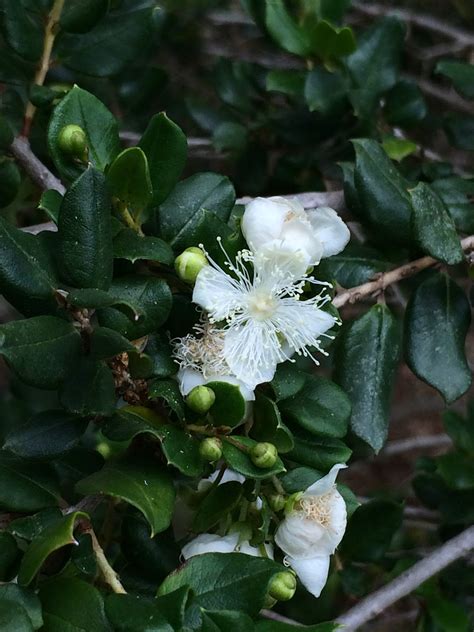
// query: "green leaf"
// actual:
[[14, 618], [277, 626], [328, 41], [166, 148], [27, 277], [447, 615], [284, 30], [224, 620], [461, 74], [437, 320], [287, 381], [374, 65], [72, 605], [142, 484], [134, 613], [367, 358], [41, 350], [325, 91], [81, 108], [354, 266], [371, 529], [79, 16], [460, 131], [92, 298], [382, 191], [129, 181], [457, 470], [460, 429], [458, 194], [398, 148], [30, 527], [268, 426], [179, 447], [54, 537], [230, 136], [291, 82], [106, 343], [9, 553], [14, 594], [225, 581], [22, 25], [180, 216], [217, 504], [433, 227], [318, 452], [50, 203], [405, 104], [238, 459], [229, 407], [169, 391], [89, 389], [320, 407], [46, 435], [158, 349], [10, 180], [151, 299], [85, 233], [131, 246]]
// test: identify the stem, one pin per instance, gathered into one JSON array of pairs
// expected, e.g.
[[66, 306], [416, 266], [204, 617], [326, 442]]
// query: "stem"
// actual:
[[408, 581], [108, 573], [35, 169], [48, 43], [128, 219], [278, 486], [237, 444]]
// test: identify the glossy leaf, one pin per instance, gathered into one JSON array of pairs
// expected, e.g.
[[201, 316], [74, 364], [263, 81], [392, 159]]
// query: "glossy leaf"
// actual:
[[216, 505], [129, 245], [79, 16], [284, 30], [168, 390], [133, 613], [229, 407], [458, 194], [461, 74], [238, 459], [9, 553], [23, 28], [268, 426], [354, 266], [129, 181], [27, 599], [223, 620], [325, 91], [89, 390], [320, 453]]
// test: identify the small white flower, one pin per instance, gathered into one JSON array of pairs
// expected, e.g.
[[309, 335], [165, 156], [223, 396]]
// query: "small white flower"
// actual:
[[311, 532], [275, 225], [228, 477], [212, 543], [265, 320]]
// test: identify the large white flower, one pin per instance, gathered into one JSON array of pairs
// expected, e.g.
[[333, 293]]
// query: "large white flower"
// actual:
[[212, 543], [276, 224], [310, 533], [266, 321]]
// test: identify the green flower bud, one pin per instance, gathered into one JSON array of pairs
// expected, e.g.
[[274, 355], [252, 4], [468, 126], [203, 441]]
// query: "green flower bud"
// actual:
[[73, 140], [269, 602], [211, 449], [283, 586], [200, 399], [276, 501], [264, 455], [189, 264]]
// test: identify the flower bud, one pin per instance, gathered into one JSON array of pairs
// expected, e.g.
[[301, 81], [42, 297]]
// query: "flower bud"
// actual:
[[276, 501], [73, 140], [189, 264], [211, 449], [264, 455], [200, 399], [282, 586]]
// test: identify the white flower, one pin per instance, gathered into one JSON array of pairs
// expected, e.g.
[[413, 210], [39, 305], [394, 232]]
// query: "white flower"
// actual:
[[312, 531], [265, 320], [212, 543], [228, 477], [275, 225]]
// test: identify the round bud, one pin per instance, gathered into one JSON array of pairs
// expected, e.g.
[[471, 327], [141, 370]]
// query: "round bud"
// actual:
[[73, 140], [200, 399], [276, 501], [264, 455], [283, 586], [211, 449], [189, 264]]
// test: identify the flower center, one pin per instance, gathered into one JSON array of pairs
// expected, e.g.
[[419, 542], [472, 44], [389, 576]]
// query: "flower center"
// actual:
[[261, 305], [317, 508]]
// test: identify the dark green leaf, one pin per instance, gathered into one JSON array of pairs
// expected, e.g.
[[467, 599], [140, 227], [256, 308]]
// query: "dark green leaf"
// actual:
[[54, 537], [354, 266], [27, 599], [106, 343], [457, 470], [367, 358], [287, 381], [46, 435], [142, 484], [318, 452], [277, 626], [14, 618], [169, 391], [131, 246], [89, 389], [217, 504], [30, 527], [238, 460], [9, 553], [458, 196], [165, 147], [40, 350], [461, 74], [129, 181], [328, 41], [223, 621], [284, 30], [158, 349], [50, 203], [10, 180], [133, 613], [85, 233], [229, 407], [291, 82], [433, 227], [325, 91], [405, 104], [460, 429], [92, 298], [79, 16], [268, 426], [460, 131], [23, 28], [81, 108], [230, 136], [436, 323]]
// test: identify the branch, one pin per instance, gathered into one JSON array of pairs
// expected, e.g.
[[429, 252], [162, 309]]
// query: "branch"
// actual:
[[416, 443], [408, 581], [448, 97], [49, 37], [37, 171], [108, 573], [387, 278]]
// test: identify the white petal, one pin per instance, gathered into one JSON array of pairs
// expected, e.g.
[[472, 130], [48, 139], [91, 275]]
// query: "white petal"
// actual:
[[248, 549], [298, 235], [277, 264], [324, 484], [312, 572], [263, 220], [210, 543], [298, 536], [188, 379], [301, 323], [229, 476], [217, 293], [330, 229]]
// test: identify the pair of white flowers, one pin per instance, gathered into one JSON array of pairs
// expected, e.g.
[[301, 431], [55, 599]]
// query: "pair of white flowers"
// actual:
[[262, 320], [308, 535]]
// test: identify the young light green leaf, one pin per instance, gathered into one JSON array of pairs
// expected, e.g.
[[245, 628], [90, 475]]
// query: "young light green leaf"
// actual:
[[129, 181], [284, 30]]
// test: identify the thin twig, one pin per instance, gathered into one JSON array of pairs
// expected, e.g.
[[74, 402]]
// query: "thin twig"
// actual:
[[408, 581], [37, 171], [416, 443], [48, 43], [108, 573], [274, 616], [387, 278], [447, 97]]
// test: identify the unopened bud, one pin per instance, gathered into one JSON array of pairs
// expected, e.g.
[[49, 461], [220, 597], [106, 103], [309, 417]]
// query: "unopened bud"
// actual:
[[277, 502], [282, 586], [200, 399], [73, 140], [211, 449], [264, 455], [189, 264]]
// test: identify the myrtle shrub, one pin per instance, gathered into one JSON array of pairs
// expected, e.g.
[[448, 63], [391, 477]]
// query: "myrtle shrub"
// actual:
[[193, 368]]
